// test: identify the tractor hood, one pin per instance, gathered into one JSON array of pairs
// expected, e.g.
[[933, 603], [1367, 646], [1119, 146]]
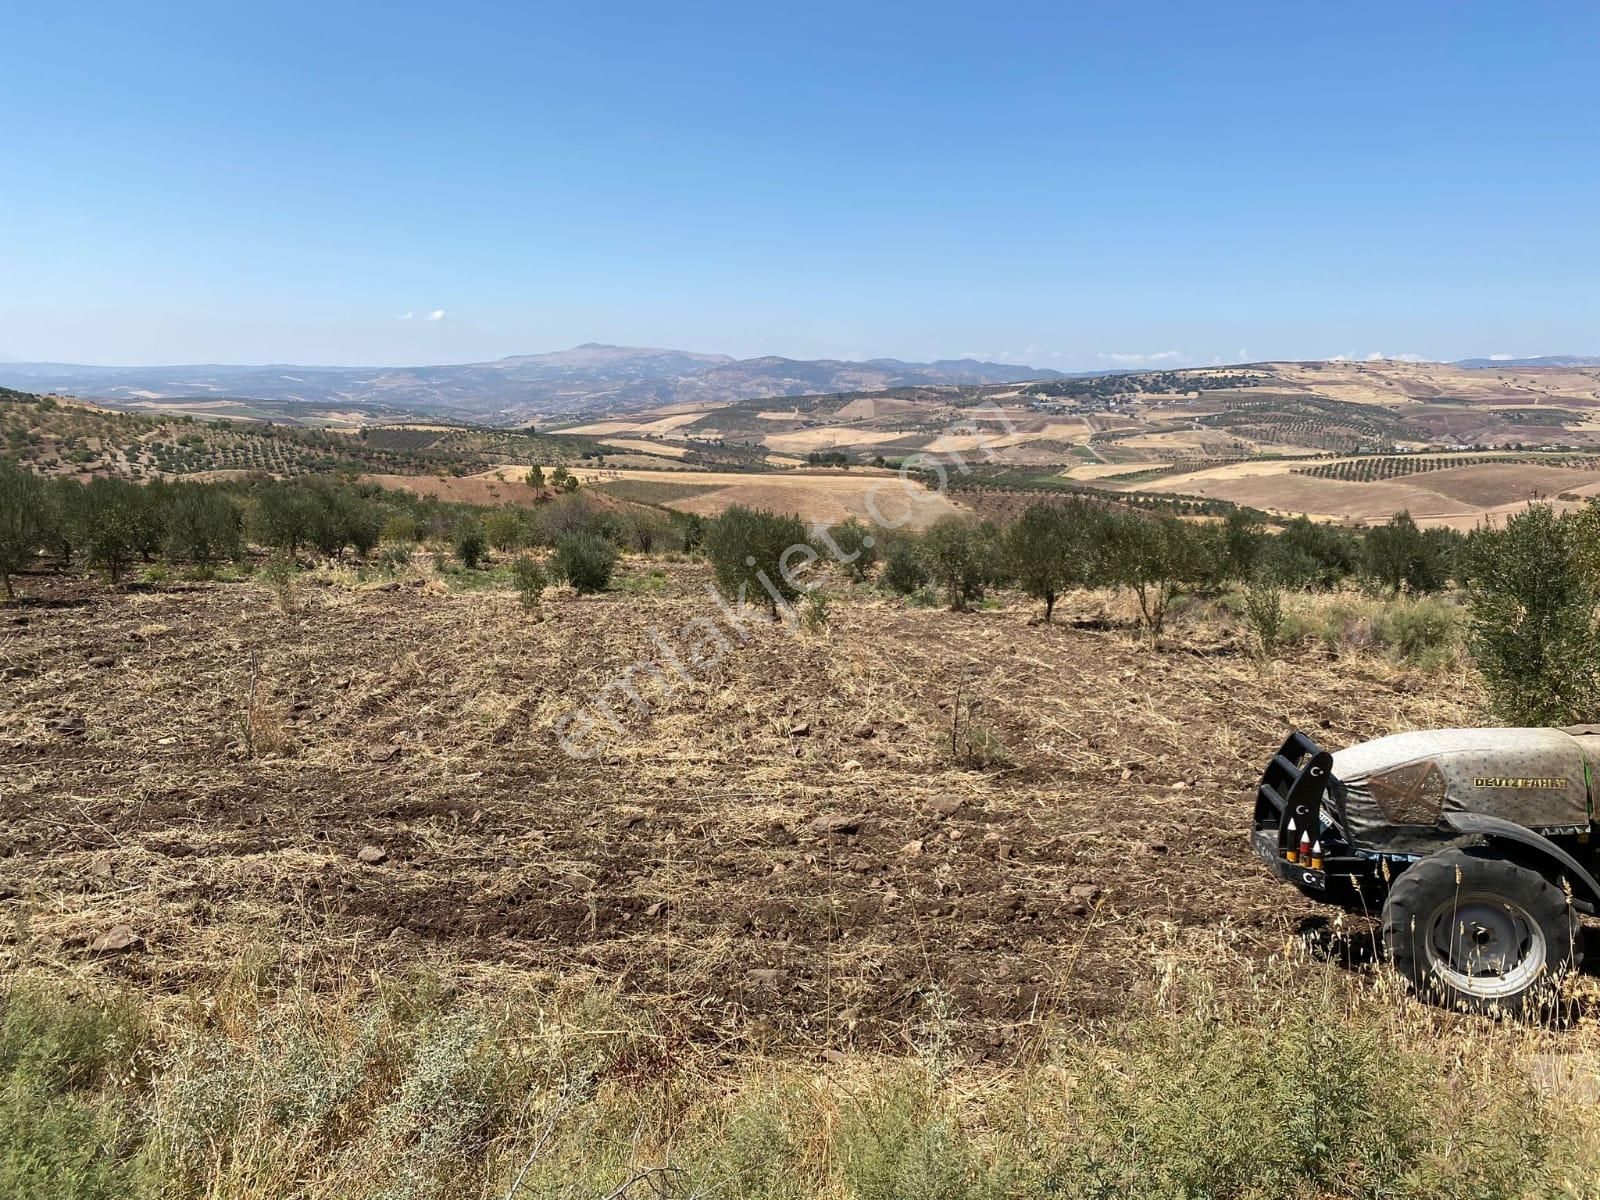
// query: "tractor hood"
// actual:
[[1395, 791]]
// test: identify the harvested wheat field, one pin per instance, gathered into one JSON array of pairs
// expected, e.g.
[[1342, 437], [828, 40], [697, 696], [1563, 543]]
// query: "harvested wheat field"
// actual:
[[785, 851]]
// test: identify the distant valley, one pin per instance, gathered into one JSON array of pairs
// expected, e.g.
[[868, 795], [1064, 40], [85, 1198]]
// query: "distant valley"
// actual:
[[508, 391]]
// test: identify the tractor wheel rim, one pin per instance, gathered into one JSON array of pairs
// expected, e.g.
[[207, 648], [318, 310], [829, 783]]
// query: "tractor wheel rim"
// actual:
[[1486, 946]]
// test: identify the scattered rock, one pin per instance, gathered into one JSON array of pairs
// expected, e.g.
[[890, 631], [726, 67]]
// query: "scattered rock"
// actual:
[[115, 940], [656, 909], [911, 849], [851, 764], [947, 806], [382, 754], [834, 1056], [863, 731], [72, 725], [767, 977], [372, 855], [835, 823], [102, 660], [803, 729], [573, 880], [1088, 892]]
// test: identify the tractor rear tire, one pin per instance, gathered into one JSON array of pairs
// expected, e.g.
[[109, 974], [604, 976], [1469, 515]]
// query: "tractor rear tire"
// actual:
[[1481, 934]]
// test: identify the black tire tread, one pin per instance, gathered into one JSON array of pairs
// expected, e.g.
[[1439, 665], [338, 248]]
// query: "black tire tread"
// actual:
[[1423, 886]]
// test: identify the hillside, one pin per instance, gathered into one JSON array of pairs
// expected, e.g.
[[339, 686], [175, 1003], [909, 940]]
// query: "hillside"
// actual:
[[63, 437]]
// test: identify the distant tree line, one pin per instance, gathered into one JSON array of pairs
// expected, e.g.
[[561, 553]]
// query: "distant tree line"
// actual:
[[111, 525]]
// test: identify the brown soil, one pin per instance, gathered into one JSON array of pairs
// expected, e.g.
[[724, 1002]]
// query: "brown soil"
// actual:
[[689, 862]]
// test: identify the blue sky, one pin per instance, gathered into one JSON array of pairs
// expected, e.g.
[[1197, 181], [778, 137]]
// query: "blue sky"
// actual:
[[1079, 186]]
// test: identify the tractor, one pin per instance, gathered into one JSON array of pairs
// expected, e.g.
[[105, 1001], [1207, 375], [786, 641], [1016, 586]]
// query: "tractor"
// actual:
[[1476, 845]]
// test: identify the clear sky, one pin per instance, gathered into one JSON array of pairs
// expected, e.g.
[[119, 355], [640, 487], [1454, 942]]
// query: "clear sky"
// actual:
[[1071, 185]]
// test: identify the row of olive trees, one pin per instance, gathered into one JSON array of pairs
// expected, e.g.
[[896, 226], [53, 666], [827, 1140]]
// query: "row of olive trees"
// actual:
[[1056, 547], [108, 524]]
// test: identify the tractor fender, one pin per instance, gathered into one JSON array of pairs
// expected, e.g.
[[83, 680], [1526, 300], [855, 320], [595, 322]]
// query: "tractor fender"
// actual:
[[1585, 890]]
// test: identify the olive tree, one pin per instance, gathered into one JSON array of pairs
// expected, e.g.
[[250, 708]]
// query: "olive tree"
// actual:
[[202, 525], [1533, 607], [1154, 557], [961, 556], [756, 552], [1048, 548]]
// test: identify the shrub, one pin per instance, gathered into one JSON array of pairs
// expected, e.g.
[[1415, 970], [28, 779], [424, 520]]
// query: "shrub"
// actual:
[[903, 568], [394, 558], [647, 530], [1310, 555], [469, 543], [401, 528], [107, 518], [1401, 556], [279, 573], [815, 612], [202, 525], [1264, 613], [282, 518], [529, 579], [1243, 543], [853, 546], [585, 560], [1533, 620], [58, 1138], [961, 556], [363, 529], [504, 529], [1420, 631], [575, 514], [752, 553], [150, 515]]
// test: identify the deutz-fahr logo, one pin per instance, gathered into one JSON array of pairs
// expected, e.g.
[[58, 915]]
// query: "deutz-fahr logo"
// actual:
[[1542, 783]]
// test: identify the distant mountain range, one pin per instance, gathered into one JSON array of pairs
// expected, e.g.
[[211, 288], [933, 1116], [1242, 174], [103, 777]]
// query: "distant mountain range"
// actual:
[[1548, 360], [524, 387]]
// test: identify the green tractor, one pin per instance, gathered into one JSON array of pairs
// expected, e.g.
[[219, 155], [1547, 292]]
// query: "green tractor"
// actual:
[[1477, 845]]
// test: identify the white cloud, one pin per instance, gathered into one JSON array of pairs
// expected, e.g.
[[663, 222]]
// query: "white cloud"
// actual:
[[405, 316], [1380, 356], [436, 315], [1501, 357], [1139, 360]]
